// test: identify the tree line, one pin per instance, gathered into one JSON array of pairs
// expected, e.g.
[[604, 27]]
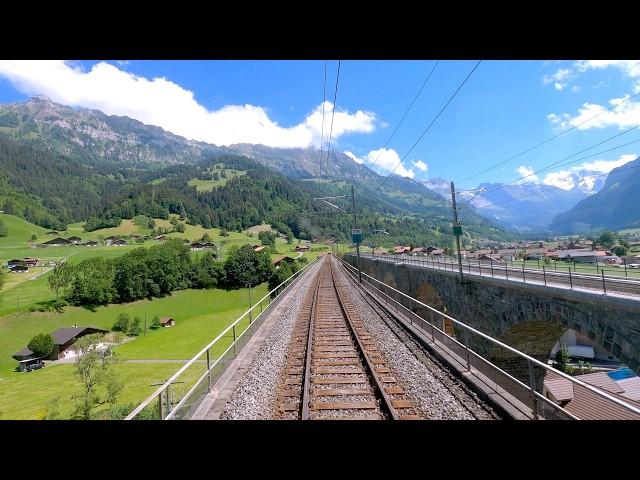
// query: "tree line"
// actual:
[[158, 271]]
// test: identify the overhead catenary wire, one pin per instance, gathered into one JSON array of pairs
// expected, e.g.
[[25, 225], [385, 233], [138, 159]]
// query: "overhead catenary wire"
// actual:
[[617, 170], [333, 111], [613, 107], [562, 162], [426, 130], [324, 99], [426, 80]]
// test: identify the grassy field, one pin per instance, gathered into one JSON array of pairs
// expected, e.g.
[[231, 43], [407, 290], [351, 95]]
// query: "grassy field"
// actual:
[[25, 397], [209, 185], [200, 315]]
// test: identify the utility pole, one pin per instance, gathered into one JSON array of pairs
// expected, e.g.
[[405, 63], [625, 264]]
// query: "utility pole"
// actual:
[[356, 232], [457, 229], [145, 324]]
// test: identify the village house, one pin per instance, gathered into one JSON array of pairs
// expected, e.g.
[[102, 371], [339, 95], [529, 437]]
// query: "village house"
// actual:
[[581, 256], [281, 260], [302, 248], [57, 242], [587, 405], [197, 246], [159, 237], [90, 243], [118, 243], [109, 240], [419, 251], [75, 240], [490, 257], [258, 248], [167, 322], [435, 251], [63, 340], [399, 250]]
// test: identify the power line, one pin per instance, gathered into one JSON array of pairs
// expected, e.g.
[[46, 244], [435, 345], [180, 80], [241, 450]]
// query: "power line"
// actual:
[[549, 139], [324, 99], [431, 124], [593, 176], [562, 162], [333, 111], [408, 109]]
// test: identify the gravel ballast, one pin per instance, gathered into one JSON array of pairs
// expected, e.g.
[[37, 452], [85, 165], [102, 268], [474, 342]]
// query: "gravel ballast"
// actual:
[[436, 392], [255, 395]]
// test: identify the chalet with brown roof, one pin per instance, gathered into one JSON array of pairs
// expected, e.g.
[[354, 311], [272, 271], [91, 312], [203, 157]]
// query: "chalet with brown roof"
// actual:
[[167, 322], [281, 259], [302, 248], [398, 250]]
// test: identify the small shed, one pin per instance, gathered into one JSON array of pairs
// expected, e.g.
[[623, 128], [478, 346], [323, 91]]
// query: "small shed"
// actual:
[[167, 322]]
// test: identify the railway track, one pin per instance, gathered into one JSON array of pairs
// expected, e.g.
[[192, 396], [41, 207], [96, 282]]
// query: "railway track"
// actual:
[[334, 370]]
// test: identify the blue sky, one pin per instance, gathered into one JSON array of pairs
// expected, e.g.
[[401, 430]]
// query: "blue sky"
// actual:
[[504, 108]]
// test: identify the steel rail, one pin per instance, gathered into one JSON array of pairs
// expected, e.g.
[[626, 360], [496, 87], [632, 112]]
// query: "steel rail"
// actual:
[[307, 369], [164, 386], [386, 401]]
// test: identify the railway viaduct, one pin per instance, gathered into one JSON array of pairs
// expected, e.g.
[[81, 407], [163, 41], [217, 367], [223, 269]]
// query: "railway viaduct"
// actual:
[[528, 317]]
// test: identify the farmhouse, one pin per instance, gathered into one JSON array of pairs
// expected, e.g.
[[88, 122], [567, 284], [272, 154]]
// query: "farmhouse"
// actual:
[[31, 262], [63, 340], [56, 242], [119, 243], [197, 246], [16, 262], [489, 257], [258, 248], [281, 259], [90, 243], [159, 237], [581, 256], [75, 240], [19, 269], [399, 249], [435, 251], [167, 322], [302, 248], [420, 250]]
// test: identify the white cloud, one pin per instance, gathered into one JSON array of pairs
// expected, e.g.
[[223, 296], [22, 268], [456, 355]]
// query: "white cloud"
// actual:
[[628, 67], [420, 165], [387, 159], [624, 116], [527, 174], [586, 173], [559, 79], [353, 157], [166, 104]]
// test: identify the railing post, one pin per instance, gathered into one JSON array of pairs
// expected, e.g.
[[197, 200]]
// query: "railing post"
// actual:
[[235, 347], [491, 268], [160, 406], [570, 280], [625, 267], [604, 284], [480, 269], [544, 274], [532, 387], [168, 399], [524, 279], [209, 370], [506, 271], [466, 346]]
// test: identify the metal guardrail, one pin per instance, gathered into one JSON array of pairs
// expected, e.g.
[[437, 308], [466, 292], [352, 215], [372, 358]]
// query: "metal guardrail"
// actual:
[[235, 336], [527, 393], [573, 280]]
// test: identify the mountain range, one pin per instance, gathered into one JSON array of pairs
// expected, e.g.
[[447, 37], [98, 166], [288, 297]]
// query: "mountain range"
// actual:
[[62, 165]]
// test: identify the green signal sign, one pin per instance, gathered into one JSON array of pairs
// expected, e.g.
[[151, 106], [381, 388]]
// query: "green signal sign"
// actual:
[[457, 229], [356, 235]]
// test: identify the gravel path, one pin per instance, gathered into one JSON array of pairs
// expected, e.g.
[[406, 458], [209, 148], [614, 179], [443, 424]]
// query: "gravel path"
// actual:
[[436, 392], [255, 395]]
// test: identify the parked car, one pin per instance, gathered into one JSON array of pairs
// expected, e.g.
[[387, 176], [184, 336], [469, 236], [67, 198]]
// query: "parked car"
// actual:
[[35, 366]]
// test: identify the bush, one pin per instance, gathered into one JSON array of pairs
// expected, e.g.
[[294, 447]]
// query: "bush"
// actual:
[[122, 323], [155, 323], [135, 328], [41, 345]]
